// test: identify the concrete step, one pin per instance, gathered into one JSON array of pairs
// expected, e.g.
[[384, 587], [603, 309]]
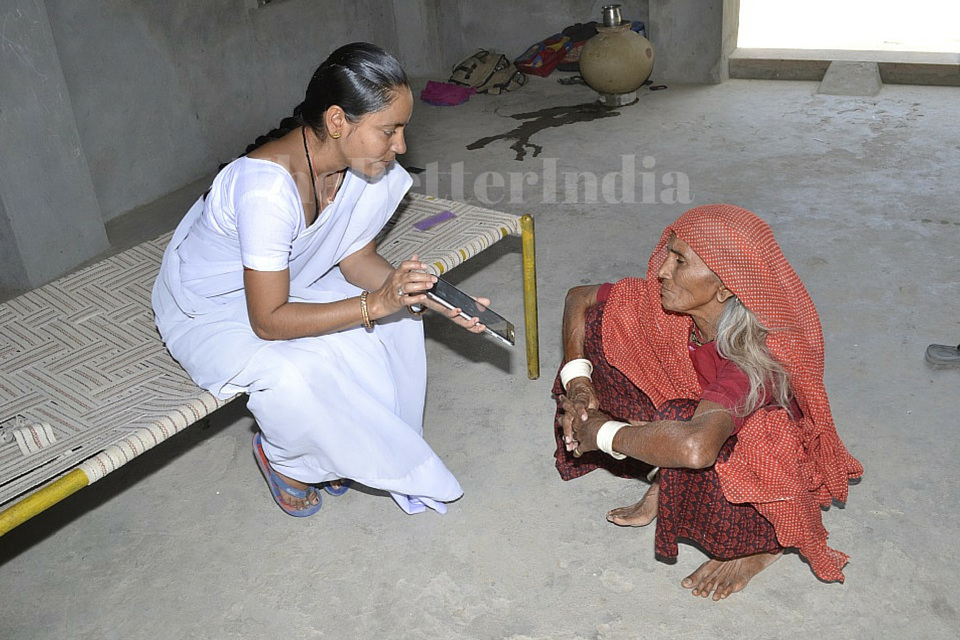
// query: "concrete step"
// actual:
[[896, 67]]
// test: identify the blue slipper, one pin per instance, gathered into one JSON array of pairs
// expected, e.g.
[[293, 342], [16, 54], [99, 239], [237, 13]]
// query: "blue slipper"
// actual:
[[277, 484], [338, 491]]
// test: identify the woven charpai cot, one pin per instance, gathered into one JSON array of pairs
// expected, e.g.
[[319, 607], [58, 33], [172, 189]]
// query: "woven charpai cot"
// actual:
[[86, 383], [82, 354], [449, 243]]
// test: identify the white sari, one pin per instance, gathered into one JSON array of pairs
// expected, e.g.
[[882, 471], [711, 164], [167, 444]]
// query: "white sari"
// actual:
[[343, 405]]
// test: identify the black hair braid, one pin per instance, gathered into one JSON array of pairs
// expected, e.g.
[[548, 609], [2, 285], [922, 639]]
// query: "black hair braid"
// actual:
[[360, 78]]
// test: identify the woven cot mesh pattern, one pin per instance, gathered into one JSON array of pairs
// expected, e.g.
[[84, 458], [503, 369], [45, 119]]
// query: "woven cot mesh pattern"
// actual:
[[448, 244], [82, 353]]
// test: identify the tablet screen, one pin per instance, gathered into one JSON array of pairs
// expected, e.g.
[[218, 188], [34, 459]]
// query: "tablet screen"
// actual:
[[452, 298]]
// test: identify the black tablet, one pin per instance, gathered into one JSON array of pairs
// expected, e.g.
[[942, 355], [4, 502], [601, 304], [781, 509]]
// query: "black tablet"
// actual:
[[452, 298]]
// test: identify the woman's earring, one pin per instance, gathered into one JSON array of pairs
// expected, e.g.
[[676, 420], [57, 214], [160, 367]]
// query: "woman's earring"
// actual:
[[335, 135]]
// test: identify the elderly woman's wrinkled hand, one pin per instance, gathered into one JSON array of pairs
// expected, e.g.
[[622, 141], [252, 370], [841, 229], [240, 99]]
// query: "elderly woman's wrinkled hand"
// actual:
[[580, 426], [579, 399], [583, 395]]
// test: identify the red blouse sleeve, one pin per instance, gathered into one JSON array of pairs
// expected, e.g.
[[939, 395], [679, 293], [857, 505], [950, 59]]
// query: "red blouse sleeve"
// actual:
[[604, 292], [729, 391], [722, 381]]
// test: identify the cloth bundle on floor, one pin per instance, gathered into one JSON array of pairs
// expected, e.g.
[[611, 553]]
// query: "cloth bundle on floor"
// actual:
[[445, 94], [542, 58], [488, 72]]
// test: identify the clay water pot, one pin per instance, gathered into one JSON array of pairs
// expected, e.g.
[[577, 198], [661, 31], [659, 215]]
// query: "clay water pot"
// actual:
[[616, 60]]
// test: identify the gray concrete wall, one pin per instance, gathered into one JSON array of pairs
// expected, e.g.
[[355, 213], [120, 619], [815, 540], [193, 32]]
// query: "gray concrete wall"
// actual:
[[728, 36], [49, 217], [429, 36], [510, 26], [451, 37], [14, 276], [165, 91], [693, 39], [419, 47]]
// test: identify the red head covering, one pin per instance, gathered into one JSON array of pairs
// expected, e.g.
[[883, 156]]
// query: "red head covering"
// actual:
[[787, 469]]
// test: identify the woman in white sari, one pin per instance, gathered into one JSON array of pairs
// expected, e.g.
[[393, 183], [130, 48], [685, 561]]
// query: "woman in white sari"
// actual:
[[272, 286]]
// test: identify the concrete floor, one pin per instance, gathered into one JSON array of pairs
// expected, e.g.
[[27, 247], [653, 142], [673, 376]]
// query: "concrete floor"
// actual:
[[862, 194]]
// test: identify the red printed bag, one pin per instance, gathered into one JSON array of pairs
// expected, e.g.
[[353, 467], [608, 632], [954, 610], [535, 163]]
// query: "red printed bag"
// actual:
[[543, 57]]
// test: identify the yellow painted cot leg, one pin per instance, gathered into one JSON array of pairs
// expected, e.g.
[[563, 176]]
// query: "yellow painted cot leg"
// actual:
[[42, 499], [530, 297]]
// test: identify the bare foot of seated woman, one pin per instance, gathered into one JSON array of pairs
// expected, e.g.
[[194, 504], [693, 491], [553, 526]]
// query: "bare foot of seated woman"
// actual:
[[640, 514], [724, 577]]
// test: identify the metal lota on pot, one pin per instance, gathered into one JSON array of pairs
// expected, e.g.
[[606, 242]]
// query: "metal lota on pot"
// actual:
[[616, 61]]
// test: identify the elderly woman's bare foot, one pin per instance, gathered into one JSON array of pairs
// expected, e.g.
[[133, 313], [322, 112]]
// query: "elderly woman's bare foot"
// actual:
[[640, 514], [723, 577]]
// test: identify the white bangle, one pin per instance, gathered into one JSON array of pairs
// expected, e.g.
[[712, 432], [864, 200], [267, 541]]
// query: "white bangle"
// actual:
[[605, 437], [579, 368]]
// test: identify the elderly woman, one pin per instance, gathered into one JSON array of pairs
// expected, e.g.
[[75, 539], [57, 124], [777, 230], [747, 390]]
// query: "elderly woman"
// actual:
[[708, 376]]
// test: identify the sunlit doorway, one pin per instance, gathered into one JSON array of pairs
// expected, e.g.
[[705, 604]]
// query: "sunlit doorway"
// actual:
[[870, 25]]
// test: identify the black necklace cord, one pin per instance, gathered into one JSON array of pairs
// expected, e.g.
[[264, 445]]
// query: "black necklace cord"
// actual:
[[313, 177]]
